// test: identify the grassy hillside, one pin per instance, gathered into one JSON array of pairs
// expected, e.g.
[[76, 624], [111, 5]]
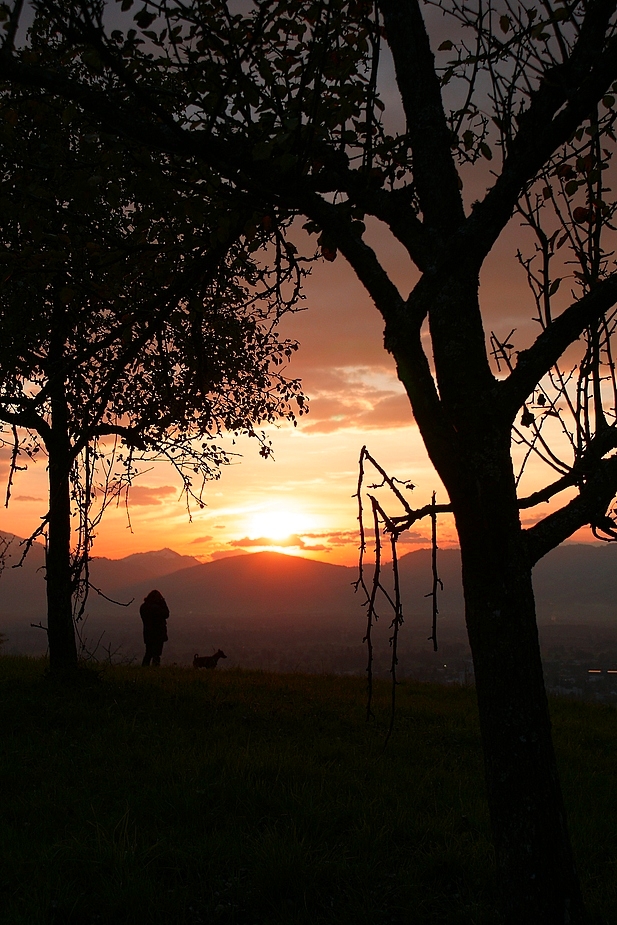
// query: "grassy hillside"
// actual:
[[246, 798]]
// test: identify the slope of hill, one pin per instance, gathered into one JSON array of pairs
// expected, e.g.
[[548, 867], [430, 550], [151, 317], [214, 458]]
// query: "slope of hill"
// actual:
[[577, 583], [111, 575], [264, 586], [574, 584], [22, 590], [276, 600]]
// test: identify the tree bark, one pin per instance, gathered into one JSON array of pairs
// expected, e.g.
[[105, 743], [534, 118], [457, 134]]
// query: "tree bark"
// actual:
[[60, 628], [536, 867], [527, 814], [466, 427]]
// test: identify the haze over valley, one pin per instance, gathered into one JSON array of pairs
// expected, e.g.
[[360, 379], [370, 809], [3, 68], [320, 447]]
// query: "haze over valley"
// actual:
[[287, 613]]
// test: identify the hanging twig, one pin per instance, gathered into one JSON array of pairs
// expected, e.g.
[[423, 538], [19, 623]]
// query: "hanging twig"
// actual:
[[393, 526], [28, 543], [13, 467], [371, 615], [362, 549], [396, 624], [437, 582], [390, 482], [110, 599]]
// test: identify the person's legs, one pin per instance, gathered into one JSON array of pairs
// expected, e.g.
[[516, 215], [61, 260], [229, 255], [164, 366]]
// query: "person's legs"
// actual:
[[147, 658], [157, 651]]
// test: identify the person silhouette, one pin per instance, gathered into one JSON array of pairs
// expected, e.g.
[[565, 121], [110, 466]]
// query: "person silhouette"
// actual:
[[154, 613]]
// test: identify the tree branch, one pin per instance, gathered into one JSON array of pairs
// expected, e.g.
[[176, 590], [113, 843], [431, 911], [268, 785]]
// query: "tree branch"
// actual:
[[118, 118], [535, 362], [565, 97], [589, 507], [393, 208], [13, 25], [27, 418], [435, 176], [360, 255]]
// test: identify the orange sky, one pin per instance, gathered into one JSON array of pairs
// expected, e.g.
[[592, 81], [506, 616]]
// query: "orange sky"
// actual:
[[303, 498]]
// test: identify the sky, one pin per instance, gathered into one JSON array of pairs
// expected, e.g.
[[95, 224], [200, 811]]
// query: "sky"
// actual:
[[301, 500]]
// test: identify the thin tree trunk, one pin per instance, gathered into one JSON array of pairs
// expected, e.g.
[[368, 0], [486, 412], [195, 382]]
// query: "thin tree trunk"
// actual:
[[538, 878], [60, 629]]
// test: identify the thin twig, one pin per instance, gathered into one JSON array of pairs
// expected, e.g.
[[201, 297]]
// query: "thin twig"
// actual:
[[437, 582]]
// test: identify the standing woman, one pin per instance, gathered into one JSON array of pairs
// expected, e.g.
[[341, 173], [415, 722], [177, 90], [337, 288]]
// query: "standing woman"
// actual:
[[154, 613]]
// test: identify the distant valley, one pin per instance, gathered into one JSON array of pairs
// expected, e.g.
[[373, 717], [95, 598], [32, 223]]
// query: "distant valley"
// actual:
[[278, 611]]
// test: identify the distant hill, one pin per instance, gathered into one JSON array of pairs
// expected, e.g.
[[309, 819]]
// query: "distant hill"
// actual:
[[22, 590], [111, 575], [268, 587], [277, 595]]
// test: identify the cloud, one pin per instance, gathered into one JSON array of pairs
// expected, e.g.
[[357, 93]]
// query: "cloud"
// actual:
[[336, 537], [359, 398], [26, 498], [200, 539], [294, 541], [141, 495], [329, 539], [5, 460], [412, 538]]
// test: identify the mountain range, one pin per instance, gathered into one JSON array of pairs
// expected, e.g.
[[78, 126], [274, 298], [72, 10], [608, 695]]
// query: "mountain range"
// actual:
[[282, 596]]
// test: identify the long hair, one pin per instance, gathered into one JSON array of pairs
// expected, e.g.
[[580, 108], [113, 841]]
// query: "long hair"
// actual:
[[154, 597]]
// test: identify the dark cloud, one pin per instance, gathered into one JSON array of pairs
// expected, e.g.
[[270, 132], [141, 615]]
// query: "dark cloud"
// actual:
[[141, 495], [26, 498], [200, 539], [411, 538]]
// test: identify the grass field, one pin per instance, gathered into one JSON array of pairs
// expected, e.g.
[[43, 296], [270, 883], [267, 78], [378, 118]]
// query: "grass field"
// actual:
[[245, 798]]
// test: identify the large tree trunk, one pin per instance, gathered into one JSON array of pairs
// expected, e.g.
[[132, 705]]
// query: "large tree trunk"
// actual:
[[467, 433], [60, 629], [538, 878]]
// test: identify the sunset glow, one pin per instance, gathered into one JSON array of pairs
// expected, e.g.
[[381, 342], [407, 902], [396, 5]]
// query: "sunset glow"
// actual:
[[278, 524], [301, 501]]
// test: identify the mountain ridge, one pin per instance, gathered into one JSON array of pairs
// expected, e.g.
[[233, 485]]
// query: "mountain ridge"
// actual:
[[574, 584]]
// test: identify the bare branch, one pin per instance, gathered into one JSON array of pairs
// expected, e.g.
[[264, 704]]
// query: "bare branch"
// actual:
[[589, 507], [534, 363]]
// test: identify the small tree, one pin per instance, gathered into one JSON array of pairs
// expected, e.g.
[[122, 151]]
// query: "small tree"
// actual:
[[128, 333], [282, 100]]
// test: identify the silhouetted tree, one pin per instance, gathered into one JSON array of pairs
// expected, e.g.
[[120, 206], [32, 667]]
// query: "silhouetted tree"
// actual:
[[130, 331], [281, 100]]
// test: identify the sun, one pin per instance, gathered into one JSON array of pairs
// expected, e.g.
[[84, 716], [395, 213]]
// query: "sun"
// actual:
[[278, 523]]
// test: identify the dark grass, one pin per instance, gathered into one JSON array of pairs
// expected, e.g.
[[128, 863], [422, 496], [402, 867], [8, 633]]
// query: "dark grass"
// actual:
[[245, 798]]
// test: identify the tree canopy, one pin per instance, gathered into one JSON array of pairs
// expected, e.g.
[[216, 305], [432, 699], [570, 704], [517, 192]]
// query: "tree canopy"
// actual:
[[131, 331], [494, 111]]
